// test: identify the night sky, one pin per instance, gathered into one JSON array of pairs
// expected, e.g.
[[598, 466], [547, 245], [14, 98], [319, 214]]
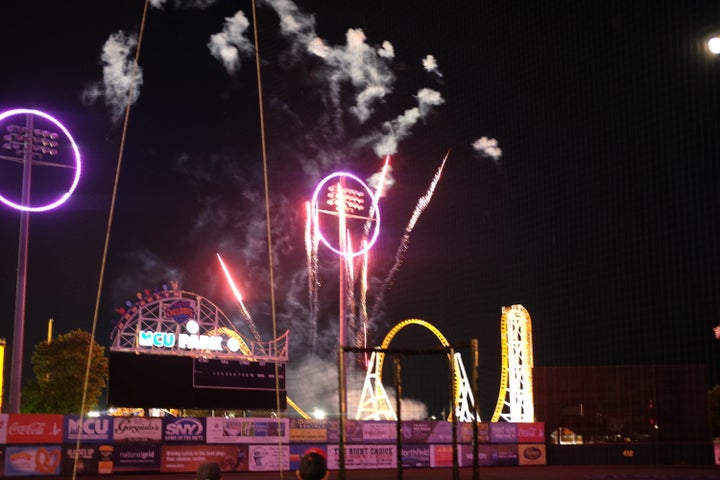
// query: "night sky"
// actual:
[[599, 214]]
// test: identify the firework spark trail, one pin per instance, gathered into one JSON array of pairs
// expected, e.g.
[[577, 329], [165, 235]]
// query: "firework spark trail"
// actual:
[[363, 302], [405, 242], [378, 194], [311, 252], [236, 292]]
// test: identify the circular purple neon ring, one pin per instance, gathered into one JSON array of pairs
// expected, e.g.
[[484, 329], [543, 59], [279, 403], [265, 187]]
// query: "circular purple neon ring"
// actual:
[[376, 209], [66, 195]]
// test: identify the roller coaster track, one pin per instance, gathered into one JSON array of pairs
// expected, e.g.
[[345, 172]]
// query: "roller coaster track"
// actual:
[[374, 403], [515, 397]]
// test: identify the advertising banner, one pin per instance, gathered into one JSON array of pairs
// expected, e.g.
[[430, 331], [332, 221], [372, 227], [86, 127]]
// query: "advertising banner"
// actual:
[[3, 428], [32, 460], [269, 458], [183, 429], [465, 432], [466, 455], [187, 458], [136, 457], [502, 432], [137, 429], [504, 455], [531, 432], [308, 430], [436, 431], [415, 456], [353, 431], [297, 452], [379, 432], [105, 462], [96, 429], [34, 428], [441, 456], [247, 430], [363, 456], [532, 454], [87, 459]]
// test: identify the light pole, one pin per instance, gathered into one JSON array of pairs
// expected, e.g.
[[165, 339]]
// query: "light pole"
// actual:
[[28, 146], [348, 205]]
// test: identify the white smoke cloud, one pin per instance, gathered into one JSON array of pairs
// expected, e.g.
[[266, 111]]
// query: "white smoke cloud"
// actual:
[[121, 80], [388, 180], [488, 147], [396, 130], [430, 65], [231, 45]]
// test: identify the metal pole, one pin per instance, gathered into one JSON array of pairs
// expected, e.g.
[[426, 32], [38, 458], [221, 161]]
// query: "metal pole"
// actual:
[[453, 415], [21, 280], [474, 352], [342, 226], [341, 420], [398, 429]]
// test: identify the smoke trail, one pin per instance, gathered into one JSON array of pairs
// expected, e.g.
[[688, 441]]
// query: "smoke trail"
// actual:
[[231, 44], [488, 147], [118, 75], [405, 242], [238, 296]]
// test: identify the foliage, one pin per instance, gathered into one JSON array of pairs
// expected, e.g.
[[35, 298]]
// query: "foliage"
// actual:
[[59, 368], [714, 404]]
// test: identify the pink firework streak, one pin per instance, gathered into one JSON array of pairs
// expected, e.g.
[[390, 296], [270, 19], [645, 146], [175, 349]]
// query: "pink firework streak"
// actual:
[[236, 292], [405, 242], [312, 243]]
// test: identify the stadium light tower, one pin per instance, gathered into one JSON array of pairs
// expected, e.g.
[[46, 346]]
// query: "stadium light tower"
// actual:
[[28, 146]]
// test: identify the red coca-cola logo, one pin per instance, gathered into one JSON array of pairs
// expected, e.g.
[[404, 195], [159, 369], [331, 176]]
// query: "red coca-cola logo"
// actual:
[[34, 428]]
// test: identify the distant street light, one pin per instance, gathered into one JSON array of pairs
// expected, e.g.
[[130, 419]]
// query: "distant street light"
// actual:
[[714, 45], [28, 146]]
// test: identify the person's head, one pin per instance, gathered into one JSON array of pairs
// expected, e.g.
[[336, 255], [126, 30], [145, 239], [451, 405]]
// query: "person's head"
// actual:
[[313, 465], [209, 471]]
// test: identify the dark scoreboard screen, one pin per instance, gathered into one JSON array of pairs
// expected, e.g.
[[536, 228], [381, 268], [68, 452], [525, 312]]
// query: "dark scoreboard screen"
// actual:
[[170, 381], [232, 374]]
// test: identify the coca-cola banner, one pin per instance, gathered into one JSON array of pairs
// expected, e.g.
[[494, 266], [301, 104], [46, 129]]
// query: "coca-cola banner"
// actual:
[[137, 429], [34, 428], [531, 432], [32, 460], [3, 428], [88, 429]]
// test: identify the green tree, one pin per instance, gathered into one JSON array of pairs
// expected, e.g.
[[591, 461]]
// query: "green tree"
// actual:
[[59, 368]]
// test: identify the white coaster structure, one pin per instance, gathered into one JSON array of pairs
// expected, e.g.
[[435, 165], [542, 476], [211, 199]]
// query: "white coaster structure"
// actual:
[[374, 403], [515, 399]]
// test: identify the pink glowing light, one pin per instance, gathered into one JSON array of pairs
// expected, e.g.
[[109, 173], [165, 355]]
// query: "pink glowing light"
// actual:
[[76, 179], [344, 199]]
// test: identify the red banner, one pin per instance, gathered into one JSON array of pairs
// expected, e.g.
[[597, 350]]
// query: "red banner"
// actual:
[[34, 428]]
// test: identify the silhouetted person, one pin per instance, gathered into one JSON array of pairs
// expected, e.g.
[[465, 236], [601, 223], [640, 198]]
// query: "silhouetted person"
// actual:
[[208, 471], [313, 465]]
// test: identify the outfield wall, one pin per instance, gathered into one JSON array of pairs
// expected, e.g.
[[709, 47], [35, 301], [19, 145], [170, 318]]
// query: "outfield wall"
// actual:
[[32, 445]]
